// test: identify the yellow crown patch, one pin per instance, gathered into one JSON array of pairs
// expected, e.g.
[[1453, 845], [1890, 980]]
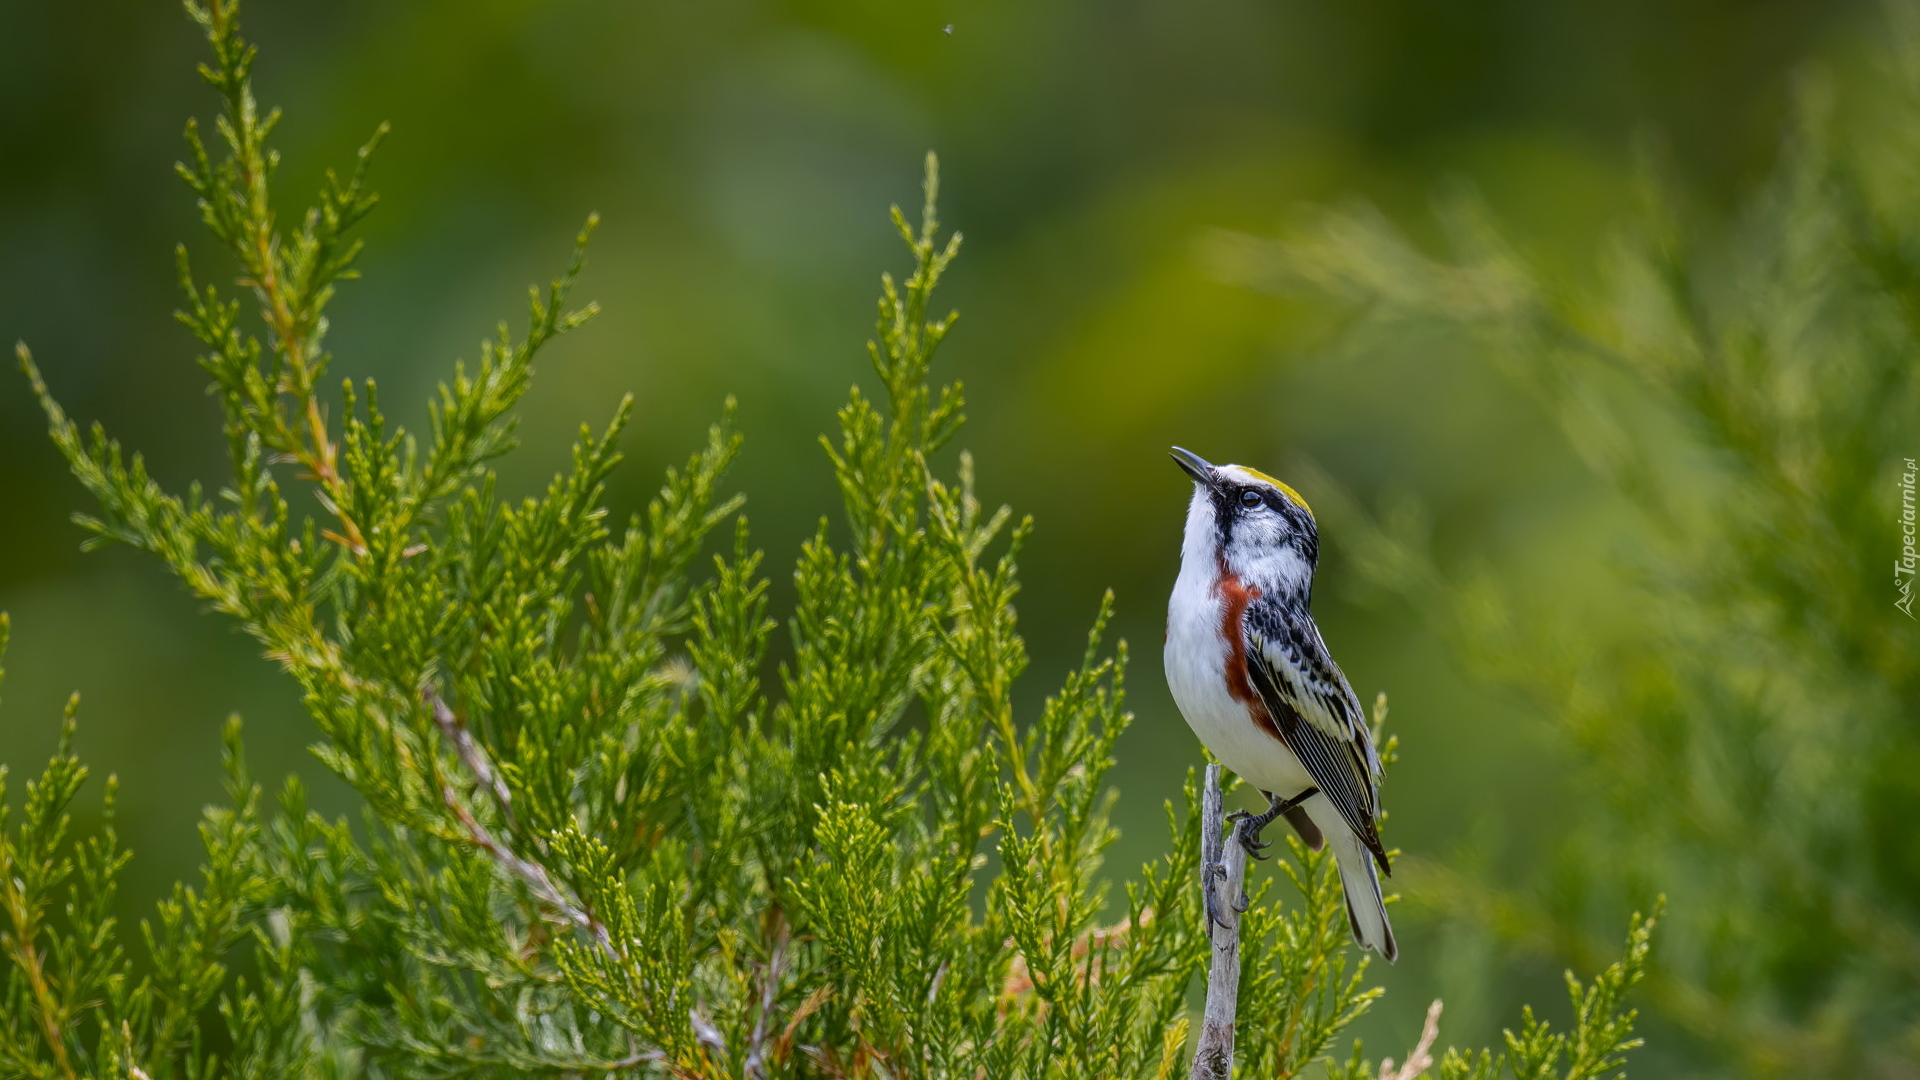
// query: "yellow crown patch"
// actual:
[[1282, 485]]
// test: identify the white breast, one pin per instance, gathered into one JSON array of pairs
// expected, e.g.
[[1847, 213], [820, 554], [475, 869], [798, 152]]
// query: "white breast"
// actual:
[[1196, 661]]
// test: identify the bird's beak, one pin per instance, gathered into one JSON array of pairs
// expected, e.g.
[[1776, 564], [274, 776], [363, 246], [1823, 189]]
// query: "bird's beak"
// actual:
[[1195, 465]]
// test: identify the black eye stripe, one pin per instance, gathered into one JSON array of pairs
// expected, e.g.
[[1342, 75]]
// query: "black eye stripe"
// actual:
[[1294, 528]]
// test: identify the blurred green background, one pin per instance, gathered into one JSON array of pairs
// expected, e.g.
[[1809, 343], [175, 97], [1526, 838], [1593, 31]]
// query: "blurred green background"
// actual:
[[742, 156]]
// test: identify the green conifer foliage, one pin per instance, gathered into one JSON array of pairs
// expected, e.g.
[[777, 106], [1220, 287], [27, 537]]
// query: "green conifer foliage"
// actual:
[[598, 839]]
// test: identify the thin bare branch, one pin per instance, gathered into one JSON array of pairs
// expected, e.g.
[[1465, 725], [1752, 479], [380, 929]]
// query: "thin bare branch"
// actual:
[[1420, 1058], [1223, 872], [471, 755], [534, 875]]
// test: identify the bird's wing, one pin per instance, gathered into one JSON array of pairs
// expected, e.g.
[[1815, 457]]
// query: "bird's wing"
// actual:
[[1317, 715]]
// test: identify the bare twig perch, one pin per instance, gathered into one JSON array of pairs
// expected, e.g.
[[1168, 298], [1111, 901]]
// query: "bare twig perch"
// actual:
[[1421, 1057], [1223, 874]]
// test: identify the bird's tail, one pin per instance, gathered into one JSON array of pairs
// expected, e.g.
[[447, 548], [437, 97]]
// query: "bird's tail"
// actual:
[[1366, 907]]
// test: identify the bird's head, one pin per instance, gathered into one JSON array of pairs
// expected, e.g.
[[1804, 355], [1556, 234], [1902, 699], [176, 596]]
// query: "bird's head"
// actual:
[[1250, 524]]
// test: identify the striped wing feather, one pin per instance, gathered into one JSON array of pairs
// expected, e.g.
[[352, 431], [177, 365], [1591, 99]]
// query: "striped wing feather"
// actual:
[[1318, 715]]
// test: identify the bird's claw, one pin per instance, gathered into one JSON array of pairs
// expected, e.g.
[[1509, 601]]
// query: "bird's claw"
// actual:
[[1247, 835]]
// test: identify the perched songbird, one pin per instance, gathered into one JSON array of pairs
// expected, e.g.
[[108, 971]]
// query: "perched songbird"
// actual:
[[1255, 681]]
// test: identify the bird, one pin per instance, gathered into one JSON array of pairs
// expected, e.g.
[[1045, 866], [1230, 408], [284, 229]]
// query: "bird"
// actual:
[[1254, 679]]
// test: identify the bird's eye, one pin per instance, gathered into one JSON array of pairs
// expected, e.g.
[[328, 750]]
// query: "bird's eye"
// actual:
[[1251, 499]]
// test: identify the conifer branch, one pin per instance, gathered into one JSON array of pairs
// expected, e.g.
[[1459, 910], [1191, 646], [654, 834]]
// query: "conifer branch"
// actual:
[[469, 752], [636, 850], [536, 877]]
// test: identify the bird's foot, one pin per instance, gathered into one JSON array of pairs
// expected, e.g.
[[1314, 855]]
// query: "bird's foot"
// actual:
[[1249, 825], [1247, 831]]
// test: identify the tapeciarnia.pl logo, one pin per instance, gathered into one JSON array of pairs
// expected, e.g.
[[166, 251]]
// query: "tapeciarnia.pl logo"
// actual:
[[1903, 567]]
